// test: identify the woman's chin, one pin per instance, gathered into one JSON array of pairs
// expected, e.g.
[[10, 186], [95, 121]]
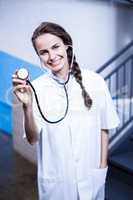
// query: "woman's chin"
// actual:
[[56, 68]]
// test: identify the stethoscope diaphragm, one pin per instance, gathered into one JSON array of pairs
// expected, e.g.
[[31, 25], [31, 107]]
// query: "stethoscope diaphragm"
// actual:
[[23, 74]]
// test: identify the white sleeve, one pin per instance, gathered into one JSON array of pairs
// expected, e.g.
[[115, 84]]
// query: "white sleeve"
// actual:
[[109, 116]]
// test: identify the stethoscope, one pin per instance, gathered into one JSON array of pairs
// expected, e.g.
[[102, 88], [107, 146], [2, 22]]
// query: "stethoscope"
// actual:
[[23, 74]]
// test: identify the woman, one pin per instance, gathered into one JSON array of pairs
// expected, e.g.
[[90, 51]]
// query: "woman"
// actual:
[[72, 154]]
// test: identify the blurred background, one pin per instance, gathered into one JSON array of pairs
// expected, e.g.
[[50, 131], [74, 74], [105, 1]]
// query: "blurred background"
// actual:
[[102, 32]]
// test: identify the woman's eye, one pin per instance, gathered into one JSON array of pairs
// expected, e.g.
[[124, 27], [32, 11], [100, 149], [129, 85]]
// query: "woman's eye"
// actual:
[[56, 47], [43, 53]]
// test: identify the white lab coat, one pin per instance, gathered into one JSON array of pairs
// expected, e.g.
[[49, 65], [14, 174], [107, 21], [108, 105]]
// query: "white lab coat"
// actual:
[[69, 151]]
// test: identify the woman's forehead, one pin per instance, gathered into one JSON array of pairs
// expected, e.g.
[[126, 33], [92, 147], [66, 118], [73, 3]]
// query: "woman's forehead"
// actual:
[[47, 40]]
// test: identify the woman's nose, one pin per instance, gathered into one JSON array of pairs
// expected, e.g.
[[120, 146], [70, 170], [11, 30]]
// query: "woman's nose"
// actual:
[[51, 55]]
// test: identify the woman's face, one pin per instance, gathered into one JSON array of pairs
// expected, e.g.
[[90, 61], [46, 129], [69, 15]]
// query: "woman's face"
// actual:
[[52, 52]]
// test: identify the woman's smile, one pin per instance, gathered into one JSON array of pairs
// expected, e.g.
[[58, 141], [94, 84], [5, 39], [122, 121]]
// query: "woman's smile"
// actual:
[[55, 62], [52, 52]]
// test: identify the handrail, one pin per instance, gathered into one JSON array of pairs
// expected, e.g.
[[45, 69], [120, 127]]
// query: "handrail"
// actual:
[[115, 57], [119, 72], [119, 66]]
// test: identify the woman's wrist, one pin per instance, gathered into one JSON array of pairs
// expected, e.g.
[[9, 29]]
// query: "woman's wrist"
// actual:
[[27, 107], [103, 165]]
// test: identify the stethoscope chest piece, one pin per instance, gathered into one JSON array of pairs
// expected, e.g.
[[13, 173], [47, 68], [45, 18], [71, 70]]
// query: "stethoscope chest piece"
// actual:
[[23, 74]]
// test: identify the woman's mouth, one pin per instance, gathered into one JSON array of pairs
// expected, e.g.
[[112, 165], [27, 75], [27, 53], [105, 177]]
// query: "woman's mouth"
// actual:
[[55, 62]]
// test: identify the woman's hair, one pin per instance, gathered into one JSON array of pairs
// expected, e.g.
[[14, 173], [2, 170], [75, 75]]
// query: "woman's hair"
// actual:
[[57, 30]]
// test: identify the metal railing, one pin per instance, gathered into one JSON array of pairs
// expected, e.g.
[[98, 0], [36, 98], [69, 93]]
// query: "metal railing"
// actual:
[[120, 84], [115, 57]]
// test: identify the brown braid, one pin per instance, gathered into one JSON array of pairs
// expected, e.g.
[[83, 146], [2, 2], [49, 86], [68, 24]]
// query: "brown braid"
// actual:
[[78, 76], [55, 29]]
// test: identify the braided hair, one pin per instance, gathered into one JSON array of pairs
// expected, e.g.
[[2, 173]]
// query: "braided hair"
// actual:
[[57, 30]]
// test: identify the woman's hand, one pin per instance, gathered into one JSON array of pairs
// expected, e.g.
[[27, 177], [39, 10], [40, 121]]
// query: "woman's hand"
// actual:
[[103, 165], [22, 90]]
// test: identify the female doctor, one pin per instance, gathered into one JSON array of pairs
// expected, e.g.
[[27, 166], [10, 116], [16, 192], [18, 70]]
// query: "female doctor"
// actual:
[[72, 154]]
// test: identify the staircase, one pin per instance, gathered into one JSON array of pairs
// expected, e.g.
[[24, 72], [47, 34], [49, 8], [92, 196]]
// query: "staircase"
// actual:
[[118, 73]]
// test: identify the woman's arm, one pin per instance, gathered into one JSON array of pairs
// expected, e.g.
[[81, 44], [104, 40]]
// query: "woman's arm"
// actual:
[[24, 94], [30, 125], [104, 148]]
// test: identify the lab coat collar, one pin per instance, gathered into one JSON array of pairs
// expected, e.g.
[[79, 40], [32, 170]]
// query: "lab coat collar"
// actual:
[[58, 79]]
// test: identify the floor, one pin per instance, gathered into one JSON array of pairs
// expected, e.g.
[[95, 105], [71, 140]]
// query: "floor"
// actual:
[[17, 175], [117, 190]]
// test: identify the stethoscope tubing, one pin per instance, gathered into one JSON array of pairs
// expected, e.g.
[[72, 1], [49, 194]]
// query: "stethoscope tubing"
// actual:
[[38, 105], [66, 93]]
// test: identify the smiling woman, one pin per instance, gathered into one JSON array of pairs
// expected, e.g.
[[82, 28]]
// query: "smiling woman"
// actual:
[[72, 154], [52, 53]]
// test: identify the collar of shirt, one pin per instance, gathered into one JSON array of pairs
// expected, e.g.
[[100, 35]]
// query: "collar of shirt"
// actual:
[[59, 80]]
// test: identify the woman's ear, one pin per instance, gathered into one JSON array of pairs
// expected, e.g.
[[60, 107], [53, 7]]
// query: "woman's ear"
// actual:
[[66, 47]]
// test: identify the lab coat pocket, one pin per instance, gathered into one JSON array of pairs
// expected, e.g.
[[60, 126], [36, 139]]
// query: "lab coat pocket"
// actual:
[[50, 189], [99, 178], [85, 188]]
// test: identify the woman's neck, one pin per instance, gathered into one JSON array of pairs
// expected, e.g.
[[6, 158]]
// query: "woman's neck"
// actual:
[[62, 74]]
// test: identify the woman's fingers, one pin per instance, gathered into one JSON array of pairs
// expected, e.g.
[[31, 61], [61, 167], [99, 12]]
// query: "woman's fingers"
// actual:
[[20, 87], [19, 81], [15, 74]]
